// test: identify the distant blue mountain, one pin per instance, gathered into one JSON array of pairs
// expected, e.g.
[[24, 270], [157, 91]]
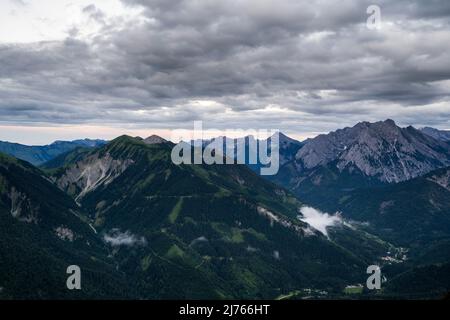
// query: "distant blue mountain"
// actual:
[[38, 155], [443, 135]]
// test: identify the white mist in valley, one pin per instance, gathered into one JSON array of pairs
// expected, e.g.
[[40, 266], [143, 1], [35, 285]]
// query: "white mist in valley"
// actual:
[[319, 220]]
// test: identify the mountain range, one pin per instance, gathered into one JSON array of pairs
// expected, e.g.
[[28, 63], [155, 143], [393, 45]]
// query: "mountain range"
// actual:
[[181, 231], [327, 167], [141, 227], [38, 155], [442, 135]]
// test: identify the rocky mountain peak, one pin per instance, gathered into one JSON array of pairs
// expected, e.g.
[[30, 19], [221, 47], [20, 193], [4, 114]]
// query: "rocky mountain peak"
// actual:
[[381, 149], [154, 139], [390, 122], [285, 140]]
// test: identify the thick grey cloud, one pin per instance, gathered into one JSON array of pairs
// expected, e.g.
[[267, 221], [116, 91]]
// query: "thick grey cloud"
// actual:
[[289, 64]]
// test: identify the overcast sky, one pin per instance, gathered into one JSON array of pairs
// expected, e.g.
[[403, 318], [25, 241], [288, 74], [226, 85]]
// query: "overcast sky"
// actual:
[[83, 68]]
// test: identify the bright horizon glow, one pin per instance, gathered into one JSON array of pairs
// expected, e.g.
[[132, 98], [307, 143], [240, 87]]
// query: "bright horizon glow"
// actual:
[[43, 135]]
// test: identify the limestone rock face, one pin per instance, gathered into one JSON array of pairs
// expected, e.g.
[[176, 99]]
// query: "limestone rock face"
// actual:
[[90, 173], [442, 179], [382, 150]]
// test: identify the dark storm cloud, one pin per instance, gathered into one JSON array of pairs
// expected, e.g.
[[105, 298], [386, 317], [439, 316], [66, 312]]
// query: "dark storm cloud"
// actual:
[[313, 61]]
